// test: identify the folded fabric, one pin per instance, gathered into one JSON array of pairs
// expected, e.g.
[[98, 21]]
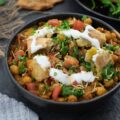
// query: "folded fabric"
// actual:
[[10, 109]]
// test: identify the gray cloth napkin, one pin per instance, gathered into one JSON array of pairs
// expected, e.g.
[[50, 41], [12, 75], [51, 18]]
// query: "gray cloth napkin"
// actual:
[[10, 109]]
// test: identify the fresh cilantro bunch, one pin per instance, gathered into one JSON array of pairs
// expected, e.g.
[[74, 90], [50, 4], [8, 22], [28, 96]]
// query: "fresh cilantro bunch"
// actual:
[[112, 5], [114, 8]]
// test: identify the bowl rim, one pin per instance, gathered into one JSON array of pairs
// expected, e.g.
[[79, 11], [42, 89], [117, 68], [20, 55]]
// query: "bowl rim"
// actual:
[[97, 13], [67, 14]]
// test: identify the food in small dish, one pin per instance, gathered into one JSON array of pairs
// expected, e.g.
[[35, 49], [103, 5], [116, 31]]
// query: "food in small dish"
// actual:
[[66, 60], [104, 8], [107, 7]]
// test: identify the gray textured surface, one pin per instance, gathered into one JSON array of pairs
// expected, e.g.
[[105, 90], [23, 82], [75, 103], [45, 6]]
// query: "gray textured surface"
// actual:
[[10, 109], [109, 111]]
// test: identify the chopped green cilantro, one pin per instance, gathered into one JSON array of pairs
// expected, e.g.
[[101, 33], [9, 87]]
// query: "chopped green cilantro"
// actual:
[[22, 68], [46, 87], [69, 90], [22, 58], [111, 47], [109, 71], [113, 7], [81, 59], [75, 52], [64, 47], [65, 25], [84, 17], [14, 62], [86, 64]]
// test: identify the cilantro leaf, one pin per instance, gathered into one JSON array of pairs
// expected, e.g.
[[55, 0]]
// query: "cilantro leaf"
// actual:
[[75, 52], [111, 47], [46, 87], [22, 58], [108, 71], [84, 17], [69, 90], [64, 47], [65, 25], [22, 68], [86, 64]]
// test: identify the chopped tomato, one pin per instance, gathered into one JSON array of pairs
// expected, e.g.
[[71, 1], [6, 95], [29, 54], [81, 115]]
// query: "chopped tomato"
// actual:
[[31, 86], [19, 53], [56, 92], [78, 25], [54, 22]]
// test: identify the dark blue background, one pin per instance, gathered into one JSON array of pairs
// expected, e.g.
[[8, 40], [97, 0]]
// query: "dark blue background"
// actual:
[[109, 111]]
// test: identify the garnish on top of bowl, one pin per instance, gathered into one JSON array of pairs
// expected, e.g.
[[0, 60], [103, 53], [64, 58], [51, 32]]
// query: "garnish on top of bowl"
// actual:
[[66, 60], [107, 7]]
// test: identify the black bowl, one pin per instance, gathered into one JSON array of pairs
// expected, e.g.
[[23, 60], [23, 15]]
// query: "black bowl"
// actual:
[[86, 5], [48, 104]]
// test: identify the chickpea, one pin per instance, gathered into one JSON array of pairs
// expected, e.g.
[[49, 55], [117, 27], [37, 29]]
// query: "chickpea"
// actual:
[[114, 58], [71, 21], [61, 99], [17, 77], [116, 78], [61, 37], [100, 91], [28, 31], [14, 69], [108, 83], [88, 21], [49, 93], [108, 36], [72, 44], [100, 29], [26, 79], [113, 43], [87, 95], [28, 63], [72, 98], [49, 35], [113, 35]]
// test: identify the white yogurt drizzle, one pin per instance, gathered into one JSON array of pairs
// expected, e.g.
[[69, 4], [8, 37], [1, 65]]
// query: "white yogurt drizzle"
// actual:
[[57, 74], [60, 76], [68, 80], [34, 47], [85, 35], [39, 33], [43, 61], [44, 31], [69, 33]]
